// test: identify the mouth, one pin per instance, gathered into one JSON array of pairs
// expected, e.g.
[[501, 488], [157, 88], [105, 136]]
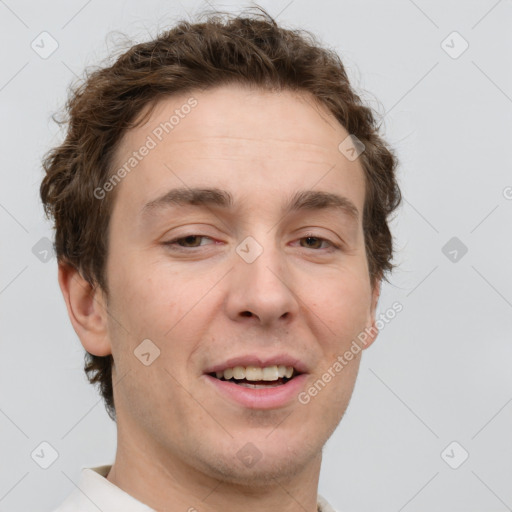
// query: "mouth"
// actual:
[[255, 377], [258, 387]]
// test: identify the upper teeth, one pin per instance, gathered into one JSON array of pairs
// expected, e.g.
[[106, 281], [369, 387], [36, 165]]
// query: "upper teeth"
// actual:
[[256, 373]]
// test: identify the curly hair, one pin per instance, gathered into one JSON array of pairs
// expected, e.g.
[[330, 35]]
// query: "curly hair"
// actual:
[[249, 49]]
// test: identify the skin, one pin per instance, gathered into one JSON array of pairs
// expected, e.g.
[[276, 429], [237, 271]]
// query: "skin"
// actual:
[[178, 437]]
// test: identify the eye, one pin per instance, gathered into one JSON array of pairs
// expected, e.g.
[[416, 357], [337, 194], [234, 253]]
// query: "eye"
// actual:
[[182, 242], [190, 242], [315, 240]]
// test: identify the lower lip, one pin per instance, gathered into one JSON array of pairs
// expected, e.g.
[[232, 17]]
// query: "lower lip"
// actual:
[[264, 398]]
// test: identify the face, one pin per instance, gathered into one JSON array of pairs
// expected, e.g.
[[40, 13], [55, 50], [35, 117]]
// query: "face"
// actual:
[[265, 270]]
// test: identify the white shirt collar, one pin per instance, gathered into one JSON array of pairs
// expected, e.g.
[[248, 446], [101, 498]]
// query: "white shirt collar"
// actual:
[[97, 494]]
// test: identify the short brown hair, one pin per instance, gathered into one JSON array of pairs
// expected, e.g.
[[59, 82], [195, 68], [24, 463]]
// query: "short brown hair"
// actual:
[[245, 49]]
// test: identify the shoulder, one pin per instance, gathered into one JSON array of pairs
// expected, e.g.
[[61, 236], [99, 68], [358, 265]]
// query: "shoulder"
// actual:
[[323, 505]]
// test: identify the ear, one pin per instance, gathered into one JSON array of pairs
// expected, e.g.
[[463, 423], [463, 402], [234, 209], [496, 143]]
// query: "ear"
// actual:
[[371, 329], [87, 310]]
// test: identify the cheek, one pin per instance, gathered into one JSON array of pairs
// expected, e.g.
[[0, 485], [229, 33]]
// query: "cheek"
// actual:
[[145, 295], [156, 302], [343, 304]]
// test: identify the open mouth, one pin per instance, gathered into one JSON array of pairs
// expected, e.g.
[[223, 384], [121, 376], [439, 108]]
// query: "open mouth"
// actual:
[[257, 378], [258, 387]]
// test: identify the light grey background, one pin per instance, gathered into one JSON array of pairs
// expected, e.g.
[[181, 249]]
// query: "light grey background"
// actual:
[[438, 373]]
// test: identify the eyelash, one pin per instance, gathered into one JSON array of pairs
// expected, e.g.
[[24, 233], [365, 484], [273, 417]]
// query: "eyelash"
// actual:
[[171, 243]]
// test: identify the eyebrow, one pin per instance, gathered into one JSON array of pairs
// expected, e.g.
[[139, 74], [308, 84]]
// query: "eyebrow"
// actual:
[[204, 197]]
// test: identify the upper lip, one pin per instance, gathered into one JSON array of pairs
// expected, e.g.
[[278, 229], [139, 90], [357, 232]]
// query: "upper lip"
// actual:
[[260, 361]]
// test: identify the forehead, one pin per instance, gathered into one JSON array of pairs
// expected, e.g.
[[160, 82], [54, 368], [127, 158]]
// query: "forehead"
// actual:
[[241, 139], [283, 121]]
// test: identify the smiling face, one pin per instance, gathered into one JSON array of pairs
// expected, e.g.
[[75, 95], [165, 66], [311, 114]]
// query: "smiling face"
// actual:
[[266, 268]]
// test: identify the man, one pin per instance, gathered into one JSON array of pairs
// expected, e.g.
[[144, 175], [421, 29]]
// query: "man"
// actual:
[[221, 204]]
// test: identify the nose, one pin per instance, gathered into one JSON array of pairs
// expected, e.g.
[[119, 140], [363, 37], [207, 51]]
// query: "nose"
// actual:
[[261, 291]]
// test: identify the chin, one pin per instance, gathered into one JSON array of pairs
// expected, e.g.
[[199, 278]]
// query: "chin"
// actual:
[[263, 473], [253, 467]]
